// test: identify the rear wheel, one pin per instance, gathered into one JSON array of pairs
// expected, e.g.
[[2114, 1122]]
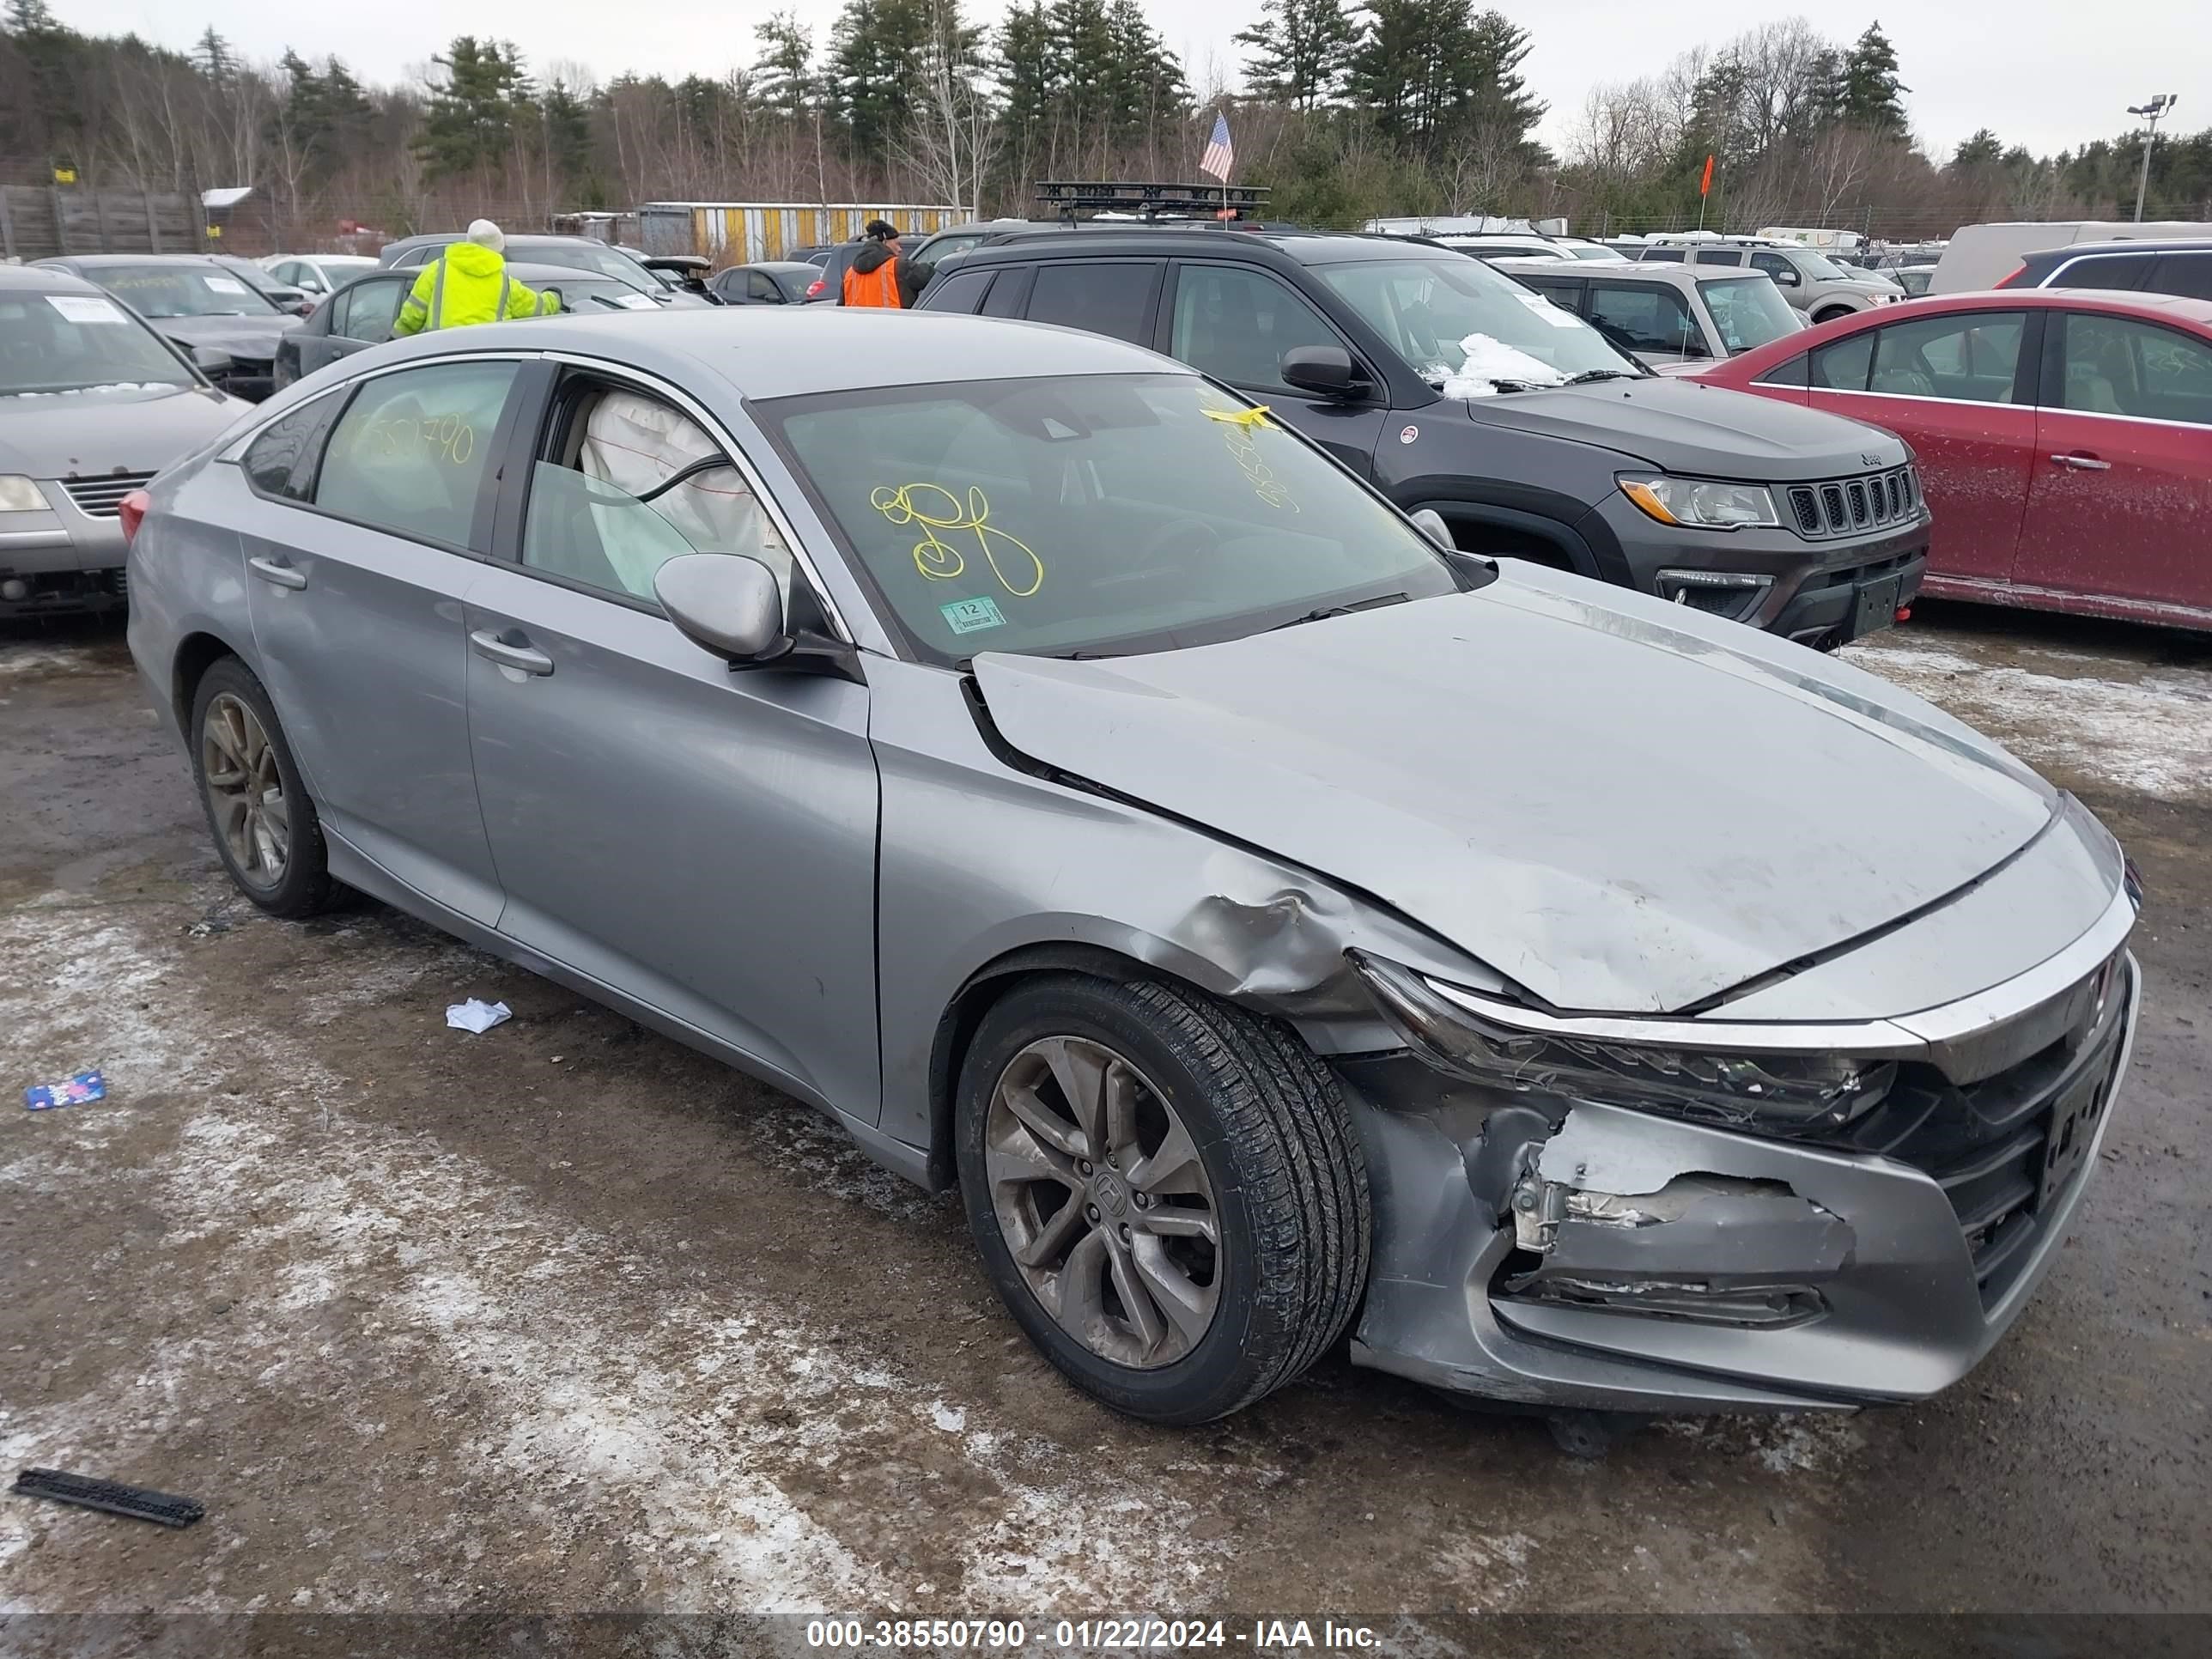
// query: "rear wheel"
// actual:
[[264, 825], [1166, 1192]]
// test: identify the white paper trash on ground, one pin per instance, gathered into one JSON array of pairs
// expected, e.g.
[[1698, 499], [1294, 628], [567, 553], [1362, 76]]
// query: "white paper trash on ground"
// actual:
[[477, 1014]]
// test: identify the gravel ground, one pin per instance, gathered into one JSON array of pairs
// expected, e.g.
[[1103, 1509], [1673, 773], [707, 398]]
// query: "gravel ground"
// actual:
[[564, 1318]]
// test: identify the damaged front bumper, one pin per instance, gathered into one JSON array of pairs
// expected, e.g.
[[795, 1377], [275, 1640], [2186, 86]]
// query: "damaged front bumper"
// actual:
[[1565, 1254]]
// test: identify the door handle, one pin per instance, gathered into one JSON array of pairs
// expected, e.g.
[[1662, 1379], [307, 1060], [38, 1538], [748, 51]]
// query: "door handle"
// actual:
[[2083, 462], [276, 572], [493, 648]]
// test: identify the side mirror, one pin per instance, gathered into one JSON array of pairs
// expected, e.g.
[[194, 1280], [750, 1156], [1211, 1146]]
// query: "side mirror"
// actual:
[[1431, 523], [726, 604], [211, 361], [1326, 371], [1787, 278]]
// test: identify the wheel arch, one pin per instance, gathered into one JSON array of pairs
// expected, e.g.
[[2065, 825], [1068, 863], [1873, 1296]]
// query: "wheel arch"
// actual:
[[196, 653], [956, 1026]]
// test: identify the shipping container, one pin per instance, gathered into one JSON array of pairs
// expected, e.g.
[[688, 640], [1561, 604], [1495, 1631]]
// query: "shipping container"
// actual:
[[745, 233]]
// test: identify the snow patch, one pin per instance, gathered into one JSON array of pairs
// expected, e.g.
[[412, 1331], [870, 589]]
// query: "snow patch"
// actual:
[[1487, 360]]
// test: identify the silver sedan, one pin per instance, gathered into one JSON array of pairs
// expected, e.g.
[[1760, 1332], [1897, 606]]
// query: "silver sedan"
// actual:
[[1093, 796]]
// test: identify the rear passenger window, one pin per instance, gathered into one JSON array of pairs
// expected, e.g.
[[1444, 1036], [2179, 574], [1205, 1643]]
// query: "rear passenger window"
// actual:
[[1843, 366], [2189, 274], [2121, 270], [2118, 366], [1792, 372], [961, 291], [1720, 256], [1970, 357], [1010, 295], [280, 461], [410, 452], [1103, 296], [1235, 323]]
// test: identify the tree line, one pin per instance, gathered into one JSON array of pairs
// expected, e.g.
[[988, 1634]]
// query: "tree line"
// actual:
[[1344, 111]]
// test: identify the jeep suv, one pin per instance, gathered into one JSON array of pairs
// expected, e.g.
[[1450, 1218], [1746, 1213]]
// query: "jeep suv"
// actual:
[[1453, 388]]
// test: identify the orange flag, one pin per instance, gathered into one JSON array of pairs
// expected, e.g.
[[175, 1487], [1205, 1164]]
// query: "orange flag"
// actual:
[[1706, 184]]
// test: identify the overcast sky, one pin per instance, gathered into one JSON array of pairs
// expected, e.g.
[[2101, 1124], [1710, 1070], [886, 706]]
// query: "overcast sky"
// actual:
[[2049, 74]]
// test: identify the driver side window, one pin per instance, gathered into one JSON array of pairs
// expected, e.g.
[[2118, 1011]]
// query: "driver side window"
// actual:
[[367, 310], [1236, 325], [628, 483]]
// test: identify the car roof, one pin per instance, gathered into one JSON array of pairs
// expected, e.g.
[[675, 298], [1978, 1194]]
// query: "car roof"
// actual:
[[1299, 247], [109, 261], [2147, 245], [780, 264], [777, 351], [1661, 273], [2164, 307], [45, 279]]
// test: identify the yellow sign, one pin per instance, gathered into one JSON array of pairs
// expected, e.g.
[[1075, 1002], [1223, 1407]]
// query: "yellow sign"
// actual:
[[65, 175], [214, 233]]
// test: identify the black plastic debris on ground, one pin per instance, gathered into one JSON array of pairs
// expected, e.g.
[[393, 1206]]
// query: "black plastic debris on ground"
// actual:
[[139, 1503]]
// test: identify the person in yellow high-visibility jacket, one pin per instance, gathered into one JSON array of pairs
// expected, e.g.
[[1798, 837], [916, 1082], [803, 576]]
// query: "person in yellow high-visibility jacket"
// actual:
[[468, 283]]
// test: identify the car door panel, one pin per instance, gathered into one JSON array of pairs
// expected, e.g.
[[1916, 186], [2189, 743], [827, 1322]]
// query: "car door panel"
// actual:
[[359, 634], [701, 839], [2123, 485], [1975, 458]]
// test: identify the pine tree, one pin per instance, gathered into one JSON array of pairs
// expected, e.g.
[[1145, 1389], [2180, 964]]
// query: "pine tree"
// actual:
[[875, 53], [1983, 149], [470, 120], [32, 18], [212, 53], [1028, 68], [784, 72], [1871, 91], [1498, 97], [1298, 51]]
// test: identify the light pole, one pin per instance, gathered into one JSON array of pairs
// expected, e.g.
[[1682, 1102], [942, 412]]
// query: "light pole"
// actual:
[[2150, 114]]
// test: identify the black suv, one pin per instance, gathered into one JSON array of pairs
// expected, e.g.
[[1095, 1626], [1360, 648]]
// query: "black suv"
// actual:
[[2147, 267], [1456, 389]]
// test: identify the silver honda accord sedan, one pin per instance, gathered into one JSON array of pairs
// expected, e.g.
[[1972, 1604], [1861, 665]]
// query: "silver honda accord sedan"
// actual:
[[1094, 797]]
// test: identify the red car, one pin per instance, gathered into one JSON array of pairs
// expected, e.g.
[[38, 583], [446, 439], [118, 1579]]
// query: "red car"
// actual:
[[2065, 437]]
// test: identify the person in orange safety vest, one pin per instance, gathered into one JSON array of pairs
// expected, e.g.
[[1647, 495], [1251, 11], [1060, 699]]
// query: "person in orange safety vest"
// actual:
[[880, 274]]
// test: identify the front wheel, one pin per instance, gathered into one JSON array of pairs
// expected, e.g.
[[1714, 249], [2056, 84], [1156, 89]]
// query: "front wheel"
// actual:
[[1831, 313], [1166, 1192]]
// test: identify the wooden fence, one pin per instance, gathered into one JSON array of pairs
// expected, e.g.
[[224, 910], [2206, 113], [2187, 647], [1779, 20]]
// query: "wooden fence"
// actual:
[[40, 221]]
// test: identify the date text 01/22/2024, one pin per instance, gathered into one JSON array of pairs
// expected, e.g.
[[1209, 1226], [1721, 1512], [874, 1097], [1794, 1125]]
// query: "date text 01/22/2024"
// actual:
[[1087, 1635]]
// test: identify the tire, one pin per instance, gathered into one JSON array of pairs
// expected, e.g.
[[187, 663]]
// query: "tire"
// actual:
[[1271, 1141], [298, 883]]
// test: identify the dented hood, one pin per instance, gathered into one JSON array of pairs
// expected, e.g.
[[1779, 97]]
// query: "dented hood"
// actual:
[[1619, 806]]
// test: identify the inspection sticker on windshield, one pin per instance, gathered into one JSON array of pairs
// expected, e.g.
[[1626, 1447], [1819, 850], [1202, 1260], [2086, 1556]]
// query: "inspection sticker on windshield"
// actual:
[[85, 308], [224, 285], [972, 616], [1544, 308]]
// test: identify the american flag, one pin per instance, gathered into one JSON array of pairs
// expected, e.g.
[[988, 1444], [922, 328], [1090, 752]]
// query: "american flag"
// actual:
[[1220, 154]]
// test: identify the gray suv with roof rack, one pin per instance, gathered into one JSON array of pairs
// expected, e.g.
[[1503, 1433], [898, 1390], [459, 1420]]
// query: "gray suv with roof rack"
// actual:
[[1455, 390]]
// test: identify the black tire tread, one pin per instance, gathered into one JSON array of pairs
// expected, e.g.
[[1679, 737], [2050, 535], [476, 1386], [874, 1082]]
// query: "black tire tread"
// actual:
[[1305, 1173]]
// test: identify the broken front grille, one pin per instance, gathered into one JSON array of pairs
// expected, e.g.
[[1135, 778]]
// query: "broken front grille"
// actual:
[[1848, 505], [2006, 1149], [99, 498]]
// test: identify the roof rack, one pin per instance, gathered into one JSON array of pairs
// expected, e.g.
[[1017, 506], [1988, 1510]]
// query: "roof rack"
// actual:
[[1069, 197]]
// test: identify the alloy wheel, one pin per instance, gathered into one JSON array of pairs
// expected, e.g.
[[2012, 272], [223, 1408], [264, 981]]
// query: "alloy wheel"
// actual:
[[1102, 1198], [245, 791]]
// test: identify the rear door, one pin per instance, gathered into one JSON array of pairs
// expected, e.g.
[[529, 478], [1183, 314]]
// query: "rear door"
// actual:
[[1235, 322], [1652, 319], [359, 546], [2187, 274], [359, 316], [1116, 297], [1957, 387], [2122, 473]]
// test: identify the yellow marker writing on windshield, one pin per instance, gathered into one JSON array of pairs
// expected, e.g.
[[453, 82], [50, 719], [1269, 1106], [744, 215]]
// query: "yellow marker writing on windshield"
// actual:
[[1242, 424], [934, 508]]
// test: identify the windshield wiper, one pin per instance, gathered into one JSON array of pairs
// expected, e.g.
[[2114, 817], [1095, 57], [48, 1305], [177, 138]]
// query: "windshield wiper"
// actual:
[[1589, 374], [1328, 610]]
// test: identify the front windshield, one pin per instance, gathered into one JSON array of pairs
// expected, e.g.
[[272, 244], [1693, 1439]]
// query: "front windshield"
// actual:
[[1611, 255], [600, 261], [183, 290], [1749, 311], [1469, 330], [590, 294], [1092, 514], [1819, 267], [72, 341]]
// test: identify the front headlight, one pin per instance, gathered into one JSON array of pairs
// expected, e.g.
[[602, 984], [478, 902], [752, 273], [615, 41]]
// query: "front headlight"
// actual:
[[1764, 1091], [1696, 504], [20, 495]]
